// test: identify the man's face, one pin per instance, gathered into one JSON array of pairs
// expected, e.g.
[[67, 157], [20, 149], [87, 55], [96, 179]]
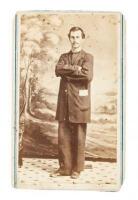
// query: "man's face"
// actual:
[[76, 39]]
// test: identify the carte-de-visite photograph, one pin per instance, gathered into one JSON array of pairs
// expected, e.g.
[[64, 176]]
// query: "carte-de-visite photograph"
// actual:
[[69, 100]]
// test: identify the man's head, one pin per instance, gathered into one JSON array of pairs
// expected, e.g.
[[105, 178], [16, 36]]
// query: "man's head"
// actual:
[[76, 36]]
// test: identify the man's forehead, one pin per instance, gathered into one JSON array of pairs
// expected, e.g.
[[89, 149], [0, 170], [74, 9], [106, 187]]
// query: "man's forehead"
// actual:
[[73, 33]]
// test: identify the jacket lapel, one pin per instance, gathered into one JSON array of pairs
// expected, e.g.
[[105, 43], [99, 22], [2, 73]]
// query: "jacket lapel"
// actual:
[[70, 57]]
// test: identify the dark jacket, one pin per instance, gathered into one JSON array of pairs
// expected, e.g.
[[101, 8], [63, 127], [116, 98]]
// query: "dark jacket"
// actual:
[[74, 98]]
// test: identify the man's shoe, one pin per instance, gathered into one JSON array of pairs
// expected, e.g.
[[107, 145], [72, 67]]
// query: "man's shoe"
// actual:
[[59, 172], [75, 175]]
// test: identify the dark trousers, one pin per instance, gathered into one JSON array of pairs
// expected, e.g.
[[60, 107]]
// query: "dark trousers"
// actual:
[[71, 143]]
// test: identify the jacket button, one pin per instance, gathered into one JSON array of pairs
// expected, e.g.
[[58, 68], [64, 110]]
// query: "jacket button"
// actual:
[[65, 90]]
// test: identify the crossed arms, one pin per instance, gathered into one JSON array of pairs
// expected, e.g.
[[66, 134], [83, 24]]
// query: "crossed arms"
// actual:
[[75, 72]]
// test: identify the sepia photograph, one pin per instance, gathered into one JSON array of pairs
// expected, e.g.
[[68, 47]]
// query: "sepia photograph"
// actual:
[[69, 100]]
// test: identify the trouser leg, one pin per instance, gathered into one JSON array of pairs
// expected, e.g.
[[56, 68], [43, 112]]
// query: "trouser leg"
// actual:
[[78, 146], [64, 147]]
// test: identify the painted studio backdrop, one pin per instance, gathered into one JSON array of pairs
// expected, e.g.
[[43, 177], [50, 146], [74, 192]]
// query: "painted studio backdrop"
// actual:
[[43, 38]]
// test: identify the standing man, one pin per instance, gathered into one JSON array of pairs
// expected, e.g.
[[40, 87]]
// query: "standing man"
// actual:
[[74, 105]]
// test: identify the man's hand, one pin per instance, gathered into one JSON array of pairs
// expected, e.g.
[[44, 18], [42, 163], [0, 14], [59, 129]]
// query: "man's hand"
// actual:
[[65, 67], [72, 67], [79, 68]]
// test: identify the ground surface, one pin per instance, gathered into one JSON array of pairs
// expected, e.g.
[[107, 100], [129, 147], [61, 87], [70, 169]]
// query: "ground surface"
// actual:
[[97, 176]]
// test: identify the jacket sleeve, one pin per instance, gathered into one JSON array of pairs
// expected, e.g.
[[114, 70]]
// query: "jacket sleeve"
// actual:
[[63, 69], [86, 72]]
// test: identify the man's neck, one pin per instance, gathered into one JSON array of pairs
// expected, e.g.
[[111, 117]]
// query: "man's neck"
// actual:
[[75, 50]]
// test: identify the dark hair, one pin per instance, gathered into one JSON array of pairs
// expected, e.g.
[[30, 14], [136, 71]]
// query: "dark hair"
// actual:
[[76, 29]]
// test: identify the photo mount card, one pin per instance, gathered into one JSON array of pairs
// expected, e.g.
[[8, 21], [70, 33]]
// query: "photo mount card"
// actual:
[[69, 103]]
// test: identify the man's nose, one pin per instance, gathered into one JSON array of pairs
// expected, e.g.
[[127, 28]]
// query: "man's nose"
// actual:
[[75, 39]]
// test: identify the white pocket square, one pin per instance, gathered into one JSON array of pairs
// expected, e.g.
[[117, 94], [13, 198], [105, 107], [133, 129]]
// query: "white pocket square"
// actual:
[[83, 92]]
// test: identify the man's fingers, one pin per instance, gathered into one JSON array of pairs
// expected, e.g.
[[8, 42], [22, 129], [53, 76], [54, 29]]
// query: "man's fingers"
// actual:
[[65, 67], [79, 68]]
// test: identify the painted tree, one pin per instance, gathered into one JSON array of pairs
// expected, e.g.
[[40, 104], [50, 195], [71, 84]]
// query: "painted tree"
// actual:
[[37, 55]]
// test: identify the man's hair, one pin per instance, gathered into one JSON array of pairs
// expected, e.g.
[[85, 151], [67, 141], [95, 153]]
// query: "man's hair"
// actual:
[[76, 29]]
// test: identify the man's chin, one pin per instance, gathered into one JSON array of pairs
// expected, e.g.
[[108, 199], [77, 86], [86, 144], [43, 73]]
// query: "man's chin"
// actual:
[[76, 46]]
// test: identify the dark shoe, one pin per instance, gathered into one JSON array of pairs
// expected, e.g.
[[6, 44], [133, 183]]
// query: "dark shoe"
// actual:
[[59, 172], [75, 175]]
